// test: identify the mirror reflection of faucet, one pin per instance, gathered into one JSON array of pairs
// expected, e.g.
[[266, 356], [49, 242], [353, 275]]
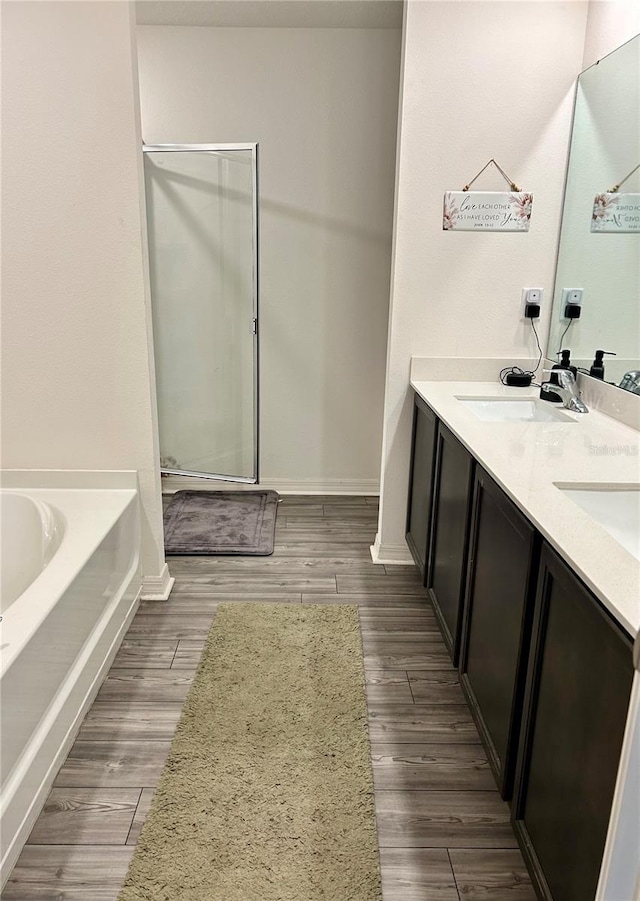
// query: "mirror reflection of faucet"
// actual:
[[631, 381]]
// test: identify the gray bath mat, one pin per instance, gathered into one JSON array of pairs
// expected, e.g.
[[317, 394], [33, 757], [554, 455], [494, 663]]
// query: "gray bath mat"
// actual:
[[221, 522]]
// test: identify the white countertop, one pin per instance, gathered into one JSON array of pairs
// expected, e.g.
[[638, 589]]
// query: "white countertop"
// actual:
[[526, 458]]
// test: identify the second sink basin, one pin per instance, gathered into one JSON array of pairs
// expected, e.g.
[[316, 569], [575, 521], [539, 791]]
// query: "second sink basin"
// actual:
[[507, 409], [614, 507]]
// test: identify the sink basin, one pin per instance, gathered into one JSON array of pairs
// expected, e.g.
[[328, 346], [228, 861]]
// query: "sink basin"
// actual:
[[509, 409], [614, 507]]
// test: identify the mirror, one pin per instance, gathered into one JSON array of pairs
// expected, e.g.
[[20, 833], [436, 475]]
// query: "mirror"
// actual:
[[605, 265]]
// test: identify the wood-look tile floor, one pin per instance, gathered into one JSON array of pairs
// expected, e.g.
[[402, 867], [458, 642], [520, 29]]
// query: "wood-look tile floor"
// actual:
[[443, 830]]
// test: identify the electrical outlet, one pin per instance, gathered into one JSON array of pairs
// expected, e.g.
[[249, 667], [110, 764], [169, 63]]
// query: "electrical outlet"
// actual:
[[572, 302], [532, 295], [532, 298], [571, 295]]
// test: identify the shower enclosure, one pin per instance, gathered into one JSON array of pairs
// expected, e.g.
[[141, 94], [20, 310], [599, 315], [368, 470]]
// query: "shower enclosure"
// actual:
[[202, 216]]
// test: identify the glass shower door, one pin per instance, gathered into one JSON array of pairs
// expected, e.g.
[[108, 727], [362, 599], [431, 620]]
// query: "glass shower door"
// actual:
[[203, 260]]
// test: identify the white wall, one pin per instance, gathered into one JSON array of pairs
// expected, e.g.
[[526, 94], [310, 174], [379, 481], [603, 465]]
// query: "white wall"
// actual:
[[481, 80], [76, 387], [609, 24], [322, 103]]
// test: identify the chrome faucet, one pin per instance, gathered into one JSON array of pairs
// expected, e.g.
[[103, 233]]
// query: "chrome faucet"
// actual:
[[631, 381], [566, 389]]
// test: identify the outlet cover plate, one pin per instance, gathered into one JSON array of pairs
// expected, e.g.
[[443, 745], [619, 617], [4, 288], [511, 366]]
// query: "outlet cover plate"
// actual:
[[571, 295]]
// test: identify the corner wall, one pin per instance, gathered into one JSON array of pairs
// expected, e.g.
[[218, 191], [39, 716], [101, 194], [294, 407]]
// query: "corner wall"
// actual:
[[483, 79], [77, 389], [610, 23], [322, 103]]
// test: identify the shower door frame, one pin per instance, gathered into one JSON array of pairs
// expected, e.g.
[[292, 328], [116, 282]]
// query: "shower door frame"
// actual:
[[221, 148]]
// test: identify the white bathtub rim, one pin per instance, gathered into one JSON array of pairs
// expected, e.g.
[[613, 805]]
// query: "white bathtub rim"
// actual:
[[27, 613], [60, 570], [11, 853], [12, 783], [53, 527], [53, 522], [45, 479]]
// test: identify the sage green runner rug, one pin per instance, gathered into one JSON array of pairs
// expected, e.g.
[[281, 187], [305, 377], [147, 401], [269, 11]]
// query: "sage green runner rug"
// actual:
[[267, 793]]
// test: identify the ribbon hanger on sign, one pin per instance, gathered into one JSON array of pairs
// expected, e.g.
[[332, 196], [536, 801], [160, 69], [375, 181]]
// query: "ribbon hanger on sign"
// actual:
[[616, 188], [508, 180]]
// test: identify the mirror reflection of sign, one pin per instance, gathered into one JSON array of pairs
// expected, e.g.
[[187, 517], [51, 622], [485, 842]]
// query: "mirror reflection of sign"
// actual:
[[489, 211], [616, 213]]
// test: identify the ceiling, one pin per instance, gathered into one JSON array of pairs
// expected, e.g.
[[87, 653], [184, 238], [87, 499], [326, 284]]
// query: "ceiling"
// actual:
[[272, 13]]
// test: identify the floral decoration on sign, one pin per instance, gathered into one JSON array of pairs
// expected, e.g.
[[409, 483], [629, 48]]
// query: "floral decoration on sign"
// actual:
[[614, 212], [522, 204], [602, 206], [451, 210]]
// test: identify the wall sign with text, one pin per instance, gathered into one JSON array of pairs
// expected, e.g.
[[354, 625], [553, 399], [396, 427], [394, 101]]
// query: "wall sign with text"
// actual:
[[616, 213], [487, 211]]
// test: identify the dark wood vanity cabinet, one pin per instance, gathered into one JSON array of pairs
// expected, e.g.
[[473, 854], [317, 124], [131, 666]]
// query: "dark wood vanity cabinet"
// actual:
[[453, 485], [497, 621], [575, 709], [546, 670], [423, 455]]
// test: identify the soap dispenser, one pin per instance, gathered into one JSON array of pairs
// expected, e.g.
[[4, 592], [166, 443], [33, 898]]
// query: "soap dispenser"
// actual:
[[565, 363], [547, 395], [597, 367]]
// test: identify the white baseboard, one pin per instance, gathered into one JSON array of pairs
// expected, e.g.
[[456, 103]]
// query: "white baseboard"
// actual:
[[323, 486], [157, 588], [390, 554], [282, 486]]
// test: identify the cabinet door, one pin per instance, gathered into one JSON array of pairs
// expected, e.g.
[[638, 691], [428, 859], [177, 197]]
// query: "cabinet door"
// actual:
[[423, 446], [453, 488], [498, 612], [578, 689]]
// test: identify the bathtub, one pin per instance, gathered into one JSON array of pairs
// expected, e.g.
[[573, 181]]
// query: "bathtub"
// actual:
[[69, 558]]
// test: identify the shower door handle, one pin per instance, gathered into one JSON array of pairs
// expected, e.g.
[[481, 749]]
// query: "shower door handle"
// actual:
[[254, 326]]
